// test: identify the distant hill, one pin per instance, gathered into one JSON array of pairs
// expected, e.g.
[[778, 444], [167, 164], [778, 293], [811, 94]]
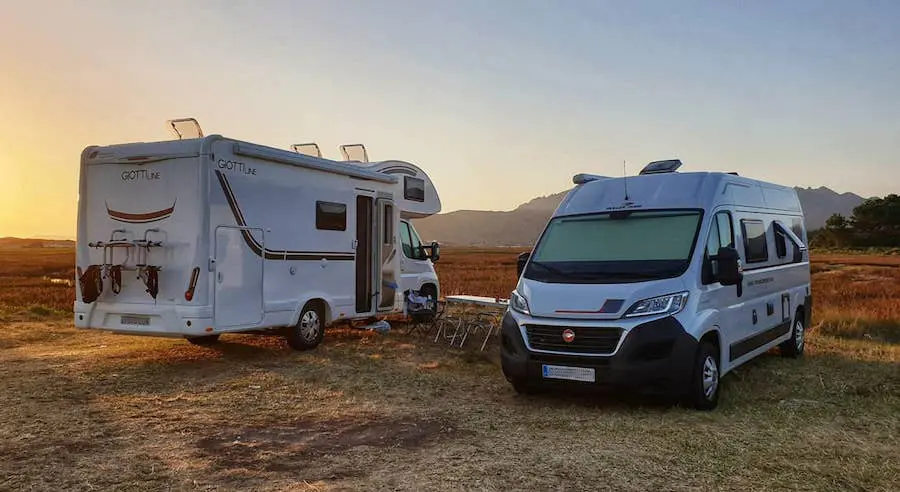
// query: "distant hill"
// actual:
[[521, 226], [17, 242]]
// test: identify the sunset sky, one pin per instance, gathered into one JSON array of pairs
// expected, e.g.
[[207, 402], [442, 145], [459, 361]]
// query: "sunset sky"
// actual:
[[499, 101]]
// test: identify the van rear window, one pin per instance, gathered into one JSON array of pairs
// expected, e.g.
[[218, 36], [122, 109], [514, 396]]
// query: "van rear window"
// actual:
[[755, 241]]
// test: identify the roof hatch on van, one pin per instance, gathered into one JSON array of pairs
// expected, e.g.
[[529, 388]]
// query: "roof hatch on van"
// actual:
[[659, 167]]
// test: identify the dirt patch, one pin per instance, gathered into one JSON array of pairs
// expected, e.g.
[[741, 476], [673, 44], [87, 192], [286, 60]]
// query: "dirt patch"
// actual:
[[295, 447]]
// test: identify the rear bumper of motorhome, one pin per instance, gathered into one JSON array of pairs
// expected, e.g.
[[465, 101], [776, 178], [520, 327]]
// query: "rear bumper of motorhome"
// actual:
[[655, 357], [144, 319]]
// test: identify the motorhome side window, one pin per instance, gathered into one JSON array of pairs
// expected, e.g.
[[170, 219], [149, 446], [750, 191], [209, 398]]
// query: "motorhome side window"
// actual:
[[755, 244], [414, 189], [388, 226], [331, 216]]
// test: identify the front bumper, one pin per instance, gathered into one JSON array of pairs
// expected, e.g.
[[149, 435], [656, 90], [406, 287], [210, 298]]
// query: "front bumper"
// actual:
[[656, 356]]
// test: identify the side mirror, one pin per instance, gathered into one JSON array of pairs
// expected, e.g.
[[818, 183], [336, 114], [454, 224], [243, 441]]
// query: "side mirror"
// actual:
[[521, 261], [435, 251], [728, 267]]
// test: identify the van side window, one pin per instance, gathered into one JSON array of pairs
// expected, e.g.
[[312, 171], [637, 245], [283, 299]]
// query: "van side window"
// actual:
[[726, 233], [755, 244], [797, 228], [331, 216], [720, 234], [780, 242]]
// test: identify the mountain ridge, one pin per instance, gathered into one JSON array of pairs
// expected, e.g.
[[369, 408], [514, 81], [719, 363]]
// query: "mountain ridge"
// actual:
[[522, 225]]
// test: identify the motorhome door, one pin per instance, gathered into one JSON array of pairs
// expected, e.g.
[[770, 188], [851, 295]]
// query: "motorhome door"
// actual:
[[238, 277], [387, 275], [364, 253]]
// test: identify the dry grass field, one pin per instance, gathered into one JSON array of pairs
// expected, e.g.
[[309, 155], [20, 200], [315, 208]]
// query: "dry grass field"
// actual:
[[92, 411]]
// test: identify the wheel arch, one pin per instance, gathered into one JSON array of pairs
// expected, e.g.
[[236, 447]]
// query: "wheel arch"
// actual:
[[321, 302]]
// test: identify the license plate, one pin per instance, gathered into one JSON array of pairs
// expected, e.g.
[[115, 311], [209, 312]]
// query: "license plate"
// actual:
[[570, 373], [136, 320]]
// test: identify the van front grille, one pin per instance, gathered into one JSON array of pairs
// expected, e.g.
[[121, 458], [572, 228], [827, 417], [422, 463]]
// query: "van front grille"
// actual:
[[588, 340]]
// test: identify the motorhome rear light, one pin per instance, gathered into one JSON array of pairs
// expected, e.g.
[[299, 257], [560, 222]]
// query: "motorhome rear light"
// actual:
[[209, 329], [189, 294]]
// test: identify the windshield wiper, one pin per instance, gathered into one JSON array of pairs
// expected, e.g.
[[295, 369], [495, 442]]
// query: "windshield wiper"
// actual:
[[553, 270]]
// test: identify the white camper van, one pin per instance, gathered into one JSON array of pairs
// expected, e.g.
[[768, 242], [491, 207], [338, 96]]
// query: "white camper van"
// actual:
[[663, 281], [199, 236]]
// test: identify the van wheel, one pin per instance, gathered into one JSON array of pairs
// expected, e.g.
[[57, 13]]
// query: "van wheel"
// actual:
[[523, 387], [703, 392], [204, 340], [794, 346], [309, 330]]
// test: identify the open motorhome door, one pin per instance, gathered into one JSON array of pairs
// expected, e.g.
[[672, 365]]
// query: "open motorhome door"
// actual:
[[388, 274]]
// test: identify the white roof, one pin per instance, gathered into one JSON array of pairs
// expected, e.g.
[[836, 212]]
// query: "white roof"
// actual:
[[694, 190]]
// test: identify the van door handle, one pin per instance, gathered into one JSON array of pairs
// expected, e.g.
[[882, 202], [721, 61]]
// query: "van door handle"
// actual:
[[770, 309], [754, 317]]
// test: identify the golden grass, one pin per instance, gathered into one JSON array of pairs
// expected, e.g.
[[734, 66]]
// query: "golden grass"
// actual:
[[84, 410]]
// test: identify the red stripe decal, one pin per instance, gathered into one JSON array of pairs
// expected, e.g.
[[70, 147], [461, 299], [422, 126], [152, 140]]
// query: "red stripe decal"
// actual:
[[140, 218]]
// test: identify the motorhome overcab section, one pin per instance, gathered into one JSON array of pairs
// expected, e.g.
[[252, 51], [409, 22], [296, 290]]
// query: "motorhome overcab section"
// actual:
[[667, 288], [196, 237]]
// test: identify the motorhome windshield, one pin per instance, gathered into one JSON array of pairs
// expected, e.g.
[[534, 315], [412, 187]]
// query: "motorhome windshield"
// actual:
[[615, 247]]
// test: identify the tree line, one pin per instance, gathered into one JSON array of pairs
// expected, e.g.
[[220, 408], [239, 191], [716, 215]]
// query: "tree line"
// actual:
[[873, 223]]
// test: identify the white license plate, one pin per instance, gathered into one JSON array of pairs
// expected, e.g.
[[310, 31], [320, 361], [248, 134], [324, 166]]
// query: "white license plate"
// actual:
[[136, 320], [570, 373]]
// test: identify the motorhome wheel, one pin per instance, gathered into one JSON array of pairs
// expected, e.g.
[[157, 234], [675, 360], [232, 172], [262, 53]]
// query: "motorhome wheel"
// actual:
[[309, 330], [204, 340]]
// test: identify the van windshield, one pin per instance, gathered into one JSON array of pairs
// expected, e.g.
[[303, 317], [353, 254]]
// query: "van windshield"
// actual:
[[615, 247]]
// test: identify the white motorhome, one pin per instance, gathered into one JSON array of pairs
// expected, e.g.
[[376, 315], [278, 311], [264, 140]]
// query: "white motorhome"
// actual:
[[195, 237], [665, 281]]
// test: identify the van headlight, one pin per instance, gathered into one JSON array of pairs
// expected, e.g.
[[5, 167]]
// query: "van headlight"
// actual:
[[668, 304], [518, 303]]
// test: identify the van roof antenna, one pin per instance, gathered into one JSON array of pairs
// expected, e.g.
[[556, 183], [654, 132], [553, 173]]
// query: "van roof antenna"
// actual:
[[625, 177]]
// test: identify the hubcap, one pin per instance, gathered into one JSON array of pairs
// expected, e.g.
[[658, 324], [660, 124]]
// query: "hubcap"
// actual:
[[710, 377], [798, 334], [309, 326]]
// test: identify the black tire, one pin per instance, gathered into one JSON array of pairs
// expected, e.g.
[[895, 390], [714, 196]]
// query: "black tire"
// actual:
[[703, 391], [307, 334], [204, 340], [794, 346], [524, 387]]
